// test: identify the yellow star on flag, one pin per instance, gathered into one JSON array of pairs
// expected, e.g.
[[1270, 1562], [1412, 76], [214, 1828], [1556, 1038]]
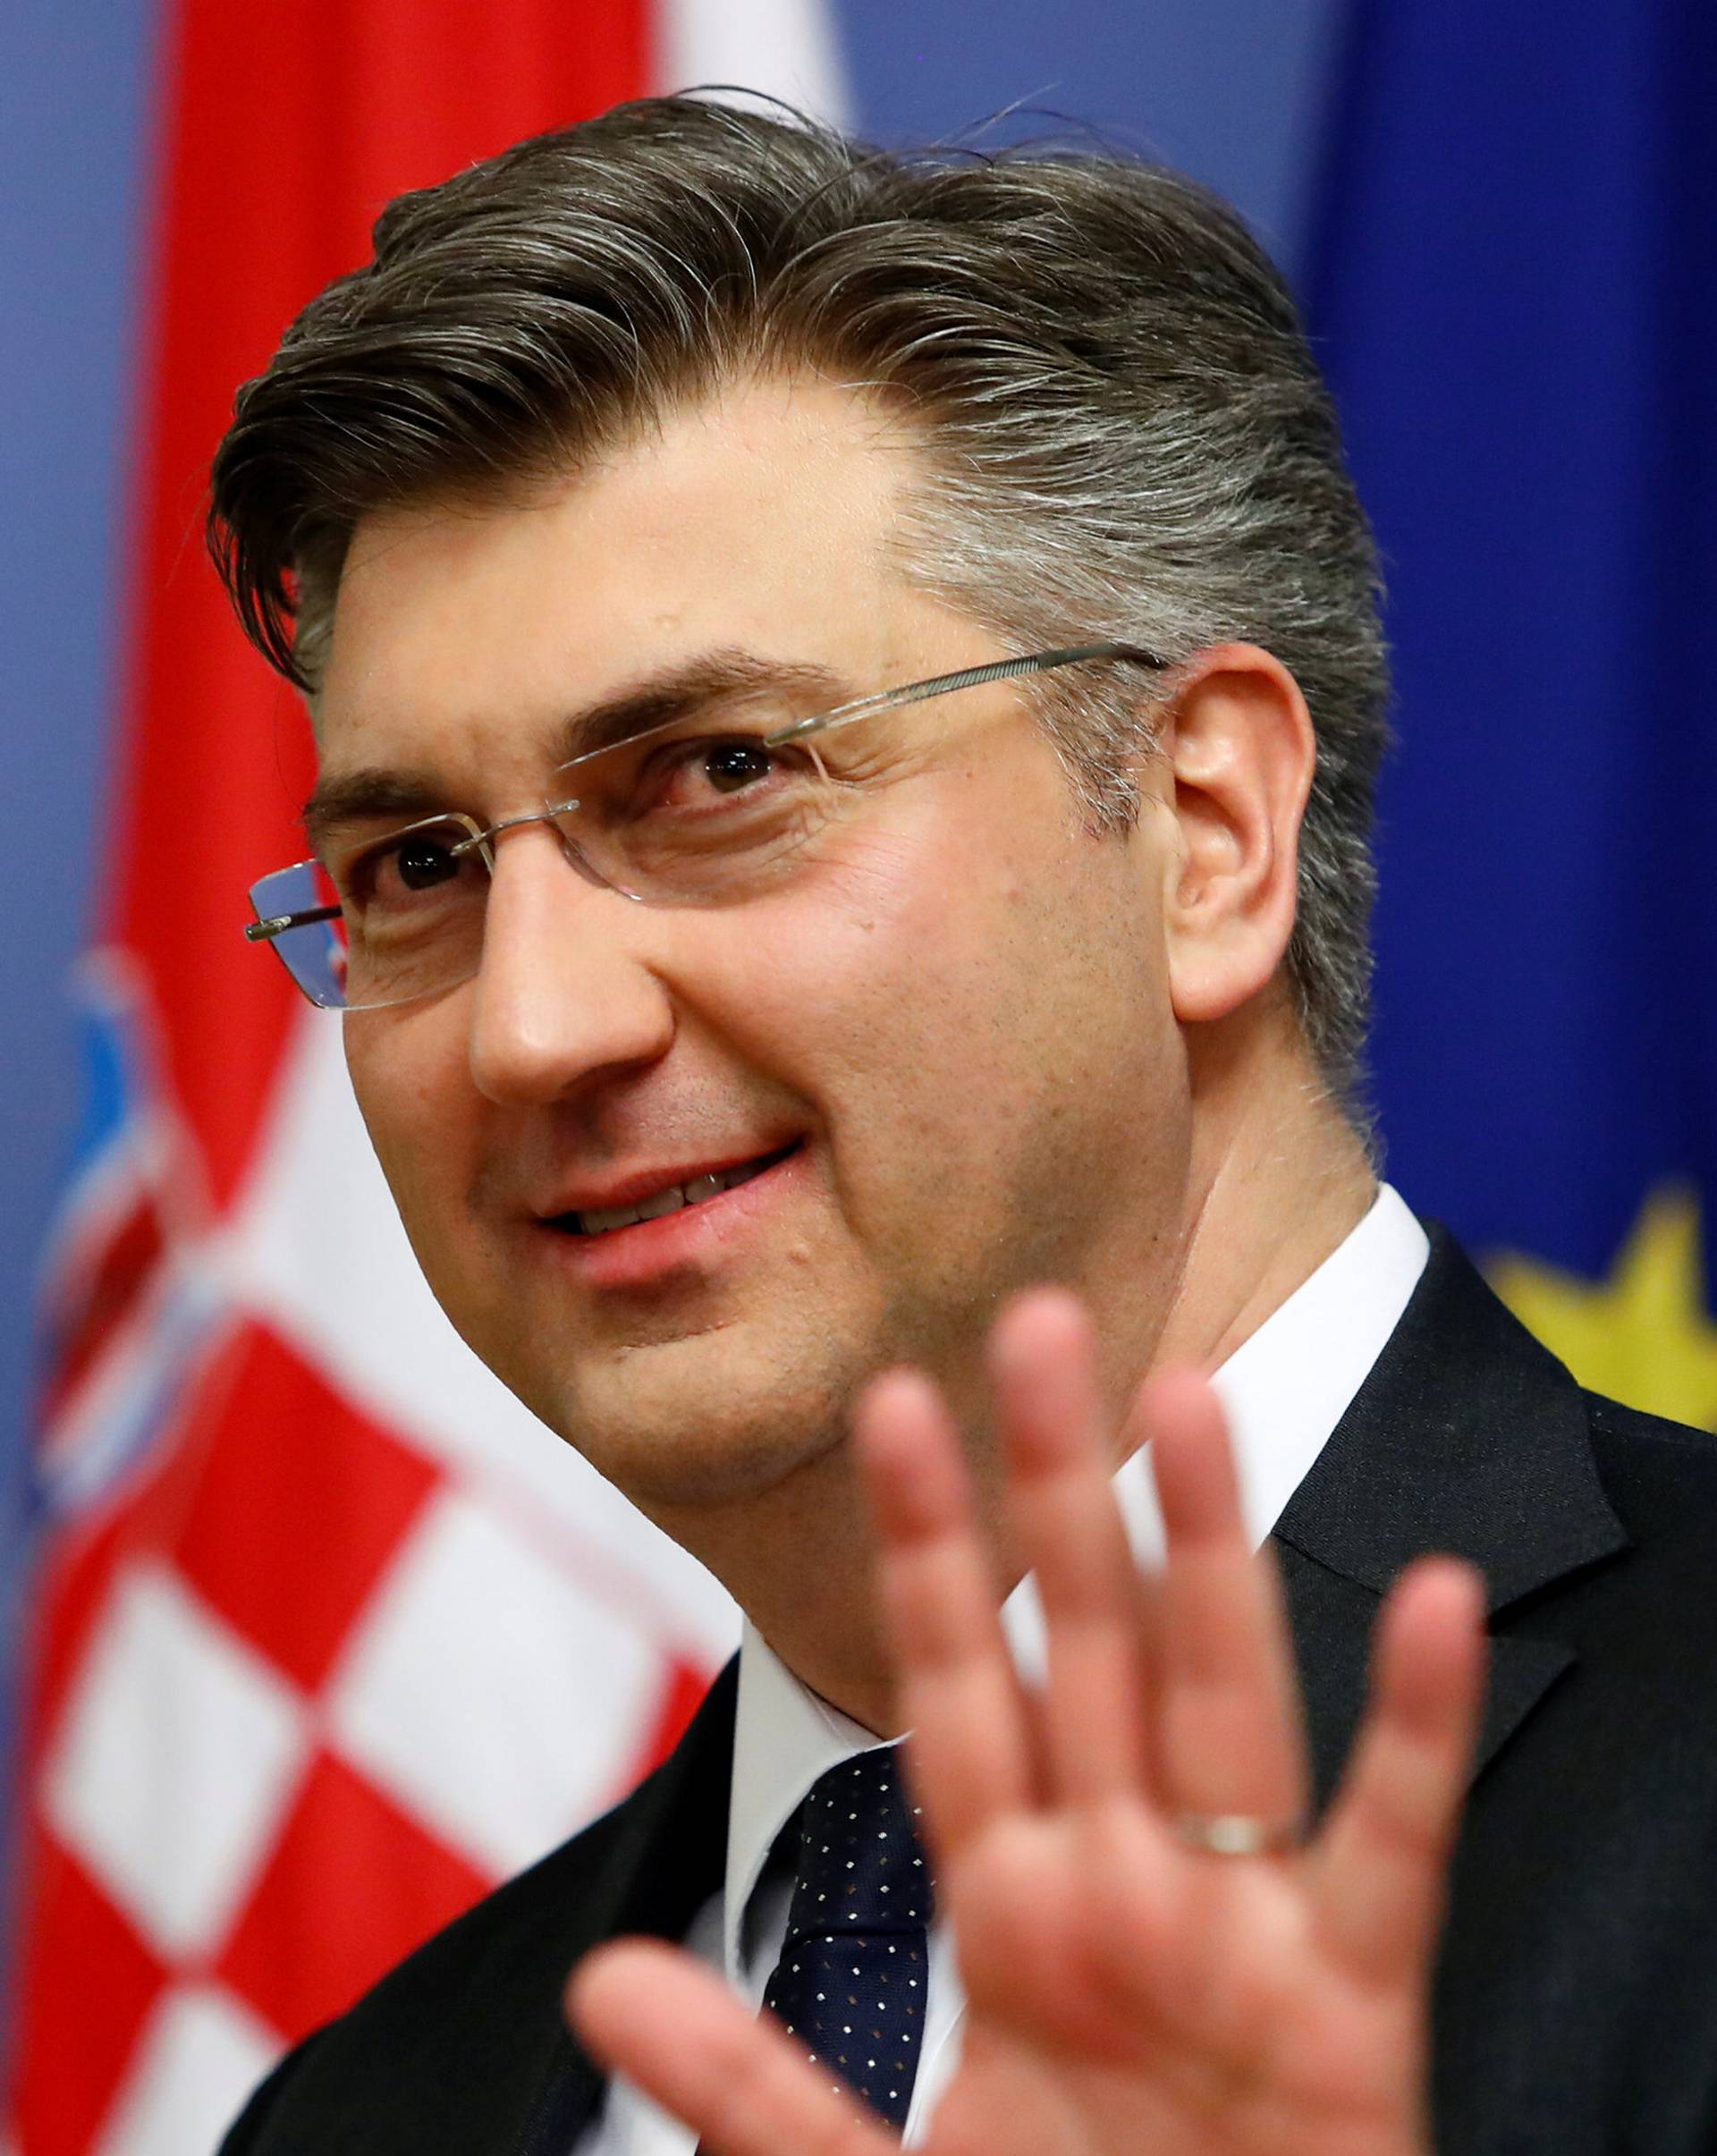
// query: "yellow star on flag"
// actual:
[[1645, 1335]]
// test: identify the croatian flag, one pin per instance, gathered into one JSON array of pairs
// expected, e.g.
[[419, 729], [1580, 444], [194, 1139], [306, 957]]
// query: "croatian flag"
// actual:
[[331, 1635]]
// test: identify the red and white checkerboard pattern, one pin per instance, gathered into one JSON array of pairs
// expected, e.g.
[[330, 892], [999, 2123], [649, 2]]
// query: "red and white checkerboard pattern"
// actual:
[[315, 1685], [331, 1633]]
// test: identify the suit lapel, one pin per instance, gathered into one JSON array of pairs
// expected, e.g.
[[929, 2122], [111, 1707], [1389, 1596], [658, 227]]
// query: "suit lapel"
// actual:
[[665, 1859], [1466, 1437]]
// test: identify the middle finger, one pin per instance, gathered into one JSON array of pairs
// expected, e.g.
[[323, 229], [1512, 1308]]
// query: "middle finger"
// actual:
[[1070, 1533]]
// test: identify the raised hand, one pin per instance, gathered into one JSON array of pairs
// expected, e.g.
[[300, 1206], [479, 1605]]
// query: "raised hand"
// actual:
[[1132, 1985]]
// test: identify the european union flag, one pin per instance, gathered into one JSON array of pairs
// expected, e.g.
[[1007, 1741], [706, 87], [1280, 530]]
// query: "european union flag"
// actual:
[[1515, 293]]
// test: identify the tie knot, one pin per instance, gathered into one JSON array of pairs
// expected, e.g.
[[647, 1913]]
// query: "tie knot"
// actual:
[[861, 1866]]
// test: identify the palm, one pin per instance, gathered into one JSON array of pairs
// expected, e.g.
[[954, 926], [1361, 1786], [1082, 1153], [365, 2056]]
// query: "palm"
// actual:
[[1126, 1989], [1227, 2030]]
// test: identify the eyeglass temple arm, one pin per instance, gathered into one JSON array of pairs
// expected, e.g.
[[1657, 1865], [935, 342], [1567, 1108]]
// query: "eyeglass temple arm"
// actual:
[[967, 677], [277, 924]]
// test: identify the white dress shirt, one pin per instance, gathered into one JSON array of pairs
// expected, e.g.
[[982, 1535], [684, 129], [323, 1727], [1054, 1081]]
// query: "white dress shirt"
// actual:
[[1284, 1390]]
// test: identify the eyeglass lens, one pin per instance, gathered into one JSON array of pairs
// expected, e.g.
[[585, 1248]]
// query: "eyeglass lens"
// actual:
[[690, 818]]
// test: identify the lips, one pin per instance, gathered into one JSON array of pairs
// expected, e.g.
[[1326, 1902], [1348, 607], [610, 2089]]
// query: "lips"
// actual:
[[669, 1197]]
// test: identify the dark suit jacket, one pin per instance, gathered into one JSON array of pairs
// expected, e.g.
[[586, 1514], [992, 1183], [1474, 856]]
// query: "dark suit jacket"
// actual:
[[1576, 1993]]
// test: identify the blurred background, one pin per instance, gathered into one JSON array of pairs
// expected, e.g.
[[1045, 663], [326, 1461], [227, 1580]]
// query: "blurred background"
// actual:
[[287, 1582]]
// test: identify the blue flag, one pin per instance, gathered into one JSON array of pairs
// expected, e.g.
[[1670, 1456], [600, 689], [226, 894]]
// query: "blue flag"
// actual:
[[1514, 290]]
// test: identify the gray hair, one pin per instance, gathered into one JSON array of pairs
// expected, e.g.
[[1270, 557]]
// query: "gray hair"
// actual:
[[1126, 435]]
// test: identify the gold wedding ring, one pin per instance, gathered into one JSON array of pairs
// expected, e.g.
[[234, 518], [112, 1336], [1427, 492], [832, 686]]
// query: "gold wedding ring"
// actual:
[[1236, 1833]]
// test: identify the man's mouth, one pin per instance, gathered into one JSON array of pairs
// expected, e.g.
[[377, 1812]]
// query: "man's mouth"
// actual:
[[672, 1197]]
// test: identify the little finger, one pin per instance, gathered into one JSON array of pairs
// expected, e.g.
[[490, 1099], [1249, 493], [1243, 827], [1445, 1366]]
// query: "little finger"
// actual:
[[1378, 1871]]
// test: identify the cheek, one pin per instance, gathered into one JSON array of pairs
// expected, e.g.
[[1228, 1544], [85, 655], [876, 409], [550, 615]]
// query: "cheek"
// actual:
[[410, 1074], [940, 1012], [827, 986]]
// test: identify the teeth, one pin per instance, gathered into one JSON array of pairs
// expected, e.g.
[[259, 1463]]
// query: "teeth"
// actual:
[[601, 1220], [598, 1223]]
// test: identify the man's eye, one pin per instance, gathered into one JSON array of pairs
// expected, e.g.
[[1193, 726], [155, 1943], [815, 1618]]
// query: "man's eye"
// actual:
[[702, 772], [731, 766], [403, 869], [420, 864]]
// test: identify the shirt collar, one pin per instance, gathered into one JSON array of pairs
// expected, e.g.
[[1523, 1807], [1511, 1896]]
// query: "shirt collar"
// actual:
[[1285, 1389]]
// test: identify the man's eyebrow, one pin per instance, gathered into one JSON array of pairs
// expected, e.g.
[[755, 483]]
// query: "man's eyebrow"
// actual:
[[358, 796], [698, 685], [682, 692]]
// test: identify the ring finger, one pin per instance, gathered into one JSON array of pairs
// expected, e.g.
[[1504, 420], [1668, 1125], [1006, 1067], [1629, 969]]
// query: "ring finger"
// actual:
[[1230, 1746]]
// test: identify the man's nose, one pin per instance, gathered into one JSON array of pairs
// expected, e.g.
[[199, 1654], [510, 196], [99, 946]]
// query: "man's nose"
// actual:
[[561, 996]]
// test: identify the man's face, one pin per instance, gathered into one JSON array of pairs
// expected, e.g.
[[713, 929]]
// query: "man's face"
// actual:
[[950, 1033]]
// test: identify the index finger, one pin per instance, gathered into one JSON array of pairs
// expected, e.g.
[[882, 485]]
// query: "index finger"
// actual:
[[956, 1688]]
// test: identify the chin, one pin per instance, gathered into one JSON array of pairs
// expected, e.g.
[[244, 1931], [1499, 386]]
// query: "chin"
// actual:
[[673, 1431], [702, 1462]]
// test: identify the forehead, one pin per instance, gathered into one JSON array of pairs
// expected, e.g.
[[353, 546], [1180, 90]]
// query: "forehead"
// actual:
[[764, 520]]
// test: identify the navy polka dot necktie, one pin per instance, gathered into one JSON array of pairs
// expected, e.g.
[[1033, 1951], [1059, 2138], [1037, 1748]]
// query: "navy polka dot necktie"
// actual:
[[853, 1972]]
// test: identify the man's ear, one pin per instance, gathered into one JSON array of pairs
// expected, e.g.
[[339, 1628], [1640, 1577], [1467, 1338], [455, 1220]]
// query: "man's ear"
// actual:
[[1237, 753]]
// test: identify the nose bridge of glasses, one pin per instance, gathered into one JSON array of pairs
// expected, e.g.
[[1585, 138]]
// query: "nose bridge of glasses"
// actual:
[[560, 818], [556, 985]]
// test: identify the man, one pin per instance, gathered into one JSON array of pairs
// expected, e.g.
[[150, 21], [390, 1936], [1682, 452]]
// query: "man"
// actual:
[[847, 693]]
